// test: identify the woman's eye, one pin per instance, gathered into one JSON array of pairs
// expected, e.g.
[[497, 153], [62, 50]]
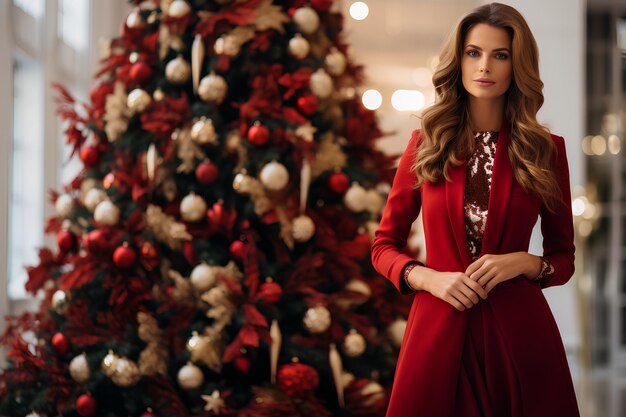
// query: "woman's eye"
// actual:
[[502, 56], [472, 53]]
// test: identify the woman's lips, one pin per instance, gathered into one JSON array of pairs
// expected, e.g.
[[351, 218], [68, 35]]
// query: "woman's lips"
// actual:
[[484, 83]]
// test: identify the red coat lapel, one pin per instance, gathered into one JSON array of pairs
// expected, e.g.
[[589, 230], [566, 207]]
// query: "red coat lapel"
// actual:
[[501, 182]]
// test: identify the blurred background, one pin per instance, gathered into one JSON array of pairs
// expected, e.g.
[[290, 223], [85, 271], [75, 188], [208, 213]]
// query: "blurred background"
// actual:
[[583, 65]]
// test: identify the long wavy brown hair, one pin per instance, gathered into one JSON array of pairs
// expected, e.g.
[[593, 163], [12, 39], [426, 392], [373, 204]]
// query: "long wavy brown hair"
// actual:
[[447, 136]]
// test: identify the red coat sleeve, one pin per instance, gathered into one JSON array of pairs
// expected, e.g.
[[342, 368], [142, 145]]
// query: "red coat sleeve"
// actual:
[[402, 208], [558, 228]]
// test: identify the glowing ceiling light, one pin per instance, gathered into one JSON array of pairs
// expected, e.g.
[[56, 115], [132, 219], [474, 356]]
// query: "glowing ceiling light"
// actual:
[[372, 99], [408, 100], [359, 10]]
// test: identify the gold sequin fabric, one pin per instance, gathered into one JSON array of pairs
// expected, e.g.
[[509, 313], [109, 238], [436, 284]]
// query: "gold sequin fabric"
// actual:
[[477, 188]]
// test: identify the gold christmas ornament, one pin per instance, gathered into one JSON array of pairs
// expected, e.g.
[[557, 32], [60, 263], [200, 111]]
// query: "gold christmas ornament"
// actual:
[[335, 62], [116, 113], [178, 71], [126, 373], [138, 100], [178, 9], [355, 198], [303, 228], [354, 344], [317, 319], [227, 45], [134, 19], [208, 349], [64, 205], [212, 88], [203, 277], [372, 391], [274, 176], [197, 58], [86, 185], [242, 183], [321, 84], [58, 300], [233, 140], [94, 197], [79, 369], [214, 403], [193, 342], [193, 208], [336, 366], [395, 331], [374, 202], [203, 132], [307, 19], [277, 340], [359, 286], [166, 229], [106, 213], [299, 47], [109, 363], [190, 376], [152, 160]]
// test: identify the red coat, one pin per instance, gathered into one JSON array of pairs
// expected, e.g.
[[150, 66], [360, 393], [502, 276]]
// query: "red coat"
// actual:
[[504, 356]]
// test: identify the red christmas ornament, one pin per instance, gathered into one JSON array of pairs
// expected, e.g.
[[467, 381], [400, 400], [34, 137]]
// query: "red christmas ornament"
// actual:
[[90, 156], [238, 249], [270, 292], [60, 344], [206, 173], [338, 182], [66, 241], [307, 104], [149, 255], [258, 134], [124, 256], [86, 405], [140, 72], [297, 379], [190, 253], [242, 364], [321, 5], [148, 414], [96, 241]]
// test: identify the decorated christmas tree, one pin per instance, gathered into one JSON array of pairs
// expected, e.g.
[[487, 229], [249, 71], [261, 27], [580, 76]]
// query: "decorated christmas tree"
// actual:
[[213, 255]]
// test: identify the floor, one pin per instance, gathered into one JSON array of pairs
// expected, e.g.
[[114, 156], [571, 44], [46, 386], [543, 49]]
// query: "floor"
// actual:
[[601, 394]]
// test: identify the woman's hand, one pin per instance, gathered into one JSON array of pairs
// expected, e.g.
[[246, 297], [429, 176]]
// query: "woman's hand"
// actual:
[[490, 270], [455, 288]]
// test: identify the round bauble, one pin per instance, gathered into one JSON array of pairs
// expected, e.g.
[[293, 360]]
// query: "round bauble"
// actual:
[[106, 213], [299, 47], [354, 344], [64, 205], [140, 72], [203, 277], [90, 156], [193, 208], [79, 369], [373, 392], [109, 363], [258, 134], [60, 343], [124, 256], [242, 364], [321, 84], [238, 250], [227, 45], [190, 376], [307, 19], [359, 286], [206, 173], [138, 100], [178, 9], [58, 300], [307, 104], [178, 71], [355, 198], [96, 241], [270, 292], [335, 62], [242, 183], [212, 88], [86, 406], [396, 332], [134, 19], [94, 197], [203, 132], [374, 202], [126, 373], [297, 379], [317, 319], [338, 182], [66, 241], [274, 176], [233, 140], [303, 228]]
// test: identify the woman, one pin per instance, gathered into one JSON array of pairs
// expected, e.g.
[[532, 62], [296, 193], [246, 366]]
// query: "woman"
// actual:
[[481, 339]]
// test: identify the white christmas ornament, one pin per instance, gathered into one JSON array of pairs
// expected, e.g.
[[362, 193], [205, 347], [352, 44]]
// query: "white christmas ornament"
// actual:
[[192, 208], [203, 277], [203, 131], [303, 228], [178, 71], [126, 373], [64, 205], [307, 19], [58, 299], [335, 62], [79, 369], [374, 202], [190, 376], [138, 100], [227, 45], [359, 286], [317, 319], [94, 197], [299, 47], [355, 198], [372, 392], [354, 345], [106, 213], [212, 88], [274, 176], [396, 332], [321, 84], [134, 20], [178, 8]]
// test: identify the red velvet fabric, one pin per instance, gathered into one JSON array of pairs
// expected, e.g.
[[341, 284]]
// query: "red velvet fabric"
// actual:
[[504, 356]]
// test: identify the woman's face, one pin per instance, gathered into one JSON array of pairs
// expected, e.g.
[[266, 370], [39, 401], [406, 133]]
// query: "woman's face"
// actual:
[[486, 65]]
